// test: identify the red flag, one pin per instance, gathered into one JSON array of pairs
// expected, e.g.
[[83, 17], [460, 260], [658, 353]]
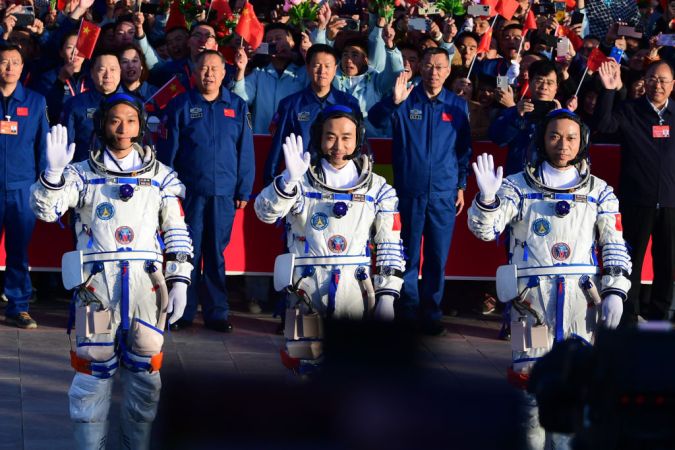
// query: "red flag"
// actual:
[[86, 38], [525, 90], [485, 41], [492, 4], [228, 53], [249, 28], [595, 59], [61, 5], [176, 18], [574, 38], [507, 8], [222, 7], [530, 22], [570, 5], [171, 89]]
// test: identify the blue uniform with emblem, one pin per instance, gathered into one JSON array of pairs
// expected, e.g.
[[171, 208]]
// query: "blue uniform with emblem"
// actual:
[[22, 139], [295, 114], [430, 161], [210, 144]]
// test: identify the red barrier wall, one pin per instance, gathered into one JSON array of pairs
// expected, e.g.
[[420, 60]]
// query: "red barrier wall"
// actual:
[[254, 245]]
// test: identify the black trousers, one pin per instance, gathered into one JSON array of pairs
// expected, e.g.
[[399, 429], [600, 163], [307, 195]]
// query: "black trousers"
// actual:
[[639, 223]]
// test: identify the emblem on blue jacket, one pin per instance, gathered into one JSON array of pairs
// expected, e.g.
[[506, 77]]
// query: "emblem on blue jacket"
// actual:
[[196, 113], [303, 116], [337, 243], [90, 113], [124, 235], [560, 251], [319, 221], [415, 114], [105, 211], [541, 227]]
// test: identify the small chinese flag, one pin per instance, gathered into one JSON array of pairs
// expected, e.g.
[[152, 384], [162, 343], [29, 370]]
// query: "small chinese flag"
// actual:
[[249, 28], [446, 117], [525, 90], [619, 225], [229, 112], [171, 89], [176, 17], [396, 226], [86, 38], [485, 41], [222, 9], [595, 59], [530, 22], [507, 8]]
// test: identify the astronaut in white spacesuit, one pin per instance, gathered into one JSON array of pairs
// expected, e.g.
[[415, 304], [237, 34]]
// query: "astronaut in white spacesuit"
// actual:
[[562, 220], [336, 209], [127, 212]]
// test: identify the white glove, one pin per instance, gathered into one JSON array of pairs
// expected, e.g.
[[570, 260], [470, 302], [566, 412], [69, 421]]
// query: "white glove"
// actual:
[[513, 72], [59, 153], [297, 162], [612, 308], [384, 309], [177, 301], [488, 179]]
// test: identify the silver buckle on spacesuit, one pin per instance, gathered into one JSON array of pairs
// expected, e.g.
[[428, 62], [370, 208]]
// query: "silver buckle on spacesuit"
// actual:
[[358, 197]]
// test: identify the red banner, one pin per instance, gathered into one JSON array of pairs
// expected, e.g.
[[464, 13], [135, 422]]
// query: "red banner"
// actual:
[[254, 244]]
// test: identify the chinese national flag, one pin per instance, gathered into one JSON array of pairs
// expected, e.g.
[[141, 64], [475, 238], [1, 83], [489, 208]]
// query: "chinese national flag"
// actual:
[[171, 89], [249, 28], [61, 5], [530, 22], [176, 17], [525, 90], [595, 59], [86, 38], [485, 41], [507, 8], [222, 8]]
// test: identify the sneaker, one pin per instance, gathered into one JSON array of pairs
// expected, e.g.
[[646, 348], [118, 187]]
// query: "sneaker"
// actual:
[[489, 305], [21, 320], [254, 307]]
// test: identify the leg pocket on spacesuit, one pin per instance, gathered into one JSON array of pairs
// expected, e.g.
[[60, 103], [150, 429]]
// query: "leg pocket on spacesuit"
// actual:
[[146, 339], [95, 341]]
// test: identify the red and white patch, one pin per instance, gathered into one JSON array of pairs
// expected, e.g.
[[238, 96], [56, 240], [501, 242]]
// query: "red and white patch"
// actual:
[[618, 225], [396, 226]]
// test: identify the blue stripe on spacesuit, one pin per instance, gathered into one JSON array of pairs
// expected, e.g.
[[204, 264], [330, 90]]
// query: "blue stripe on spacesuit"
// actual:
[[121, 180], [570, 197], [347, 197], [559, 309]]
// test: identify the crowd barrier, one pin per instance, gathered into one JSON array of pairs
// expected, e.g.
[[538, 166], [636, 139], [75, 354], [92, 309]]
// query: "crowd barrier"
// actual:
[[254, 245]]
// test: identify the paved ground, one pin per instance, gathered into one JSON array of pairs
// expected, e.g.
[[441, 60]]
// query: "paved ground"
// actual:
[[35, 375]]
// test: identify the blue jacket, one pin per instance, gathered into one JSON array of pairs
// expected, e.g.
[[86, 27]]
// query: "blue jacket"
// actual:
[[77, 116], [295, 114], [24, 153], [432, 142], [210, 144], [515, 131], [492, 67], [264, 88], [57, 93], [144, 91]]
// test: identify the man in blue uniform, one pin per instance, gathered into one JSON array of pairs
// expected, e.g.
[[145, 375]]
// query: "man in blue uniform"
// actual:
[[297, 112], [78, 112], [23, 131], [207, 139], [433, 146]]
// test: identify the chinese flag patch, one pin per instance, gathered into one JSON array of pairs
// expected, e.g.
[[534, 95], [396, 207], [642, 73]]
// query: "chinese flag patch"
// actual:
[[397, 222], [619, 226], [447, 117], [180, 206], [229, 112], [22, 111]]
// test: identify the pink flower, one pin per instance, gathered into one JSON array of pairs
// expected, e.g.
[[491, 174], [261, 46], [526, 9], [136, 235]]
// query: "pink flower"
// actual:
[[287, 6], [296, 2]]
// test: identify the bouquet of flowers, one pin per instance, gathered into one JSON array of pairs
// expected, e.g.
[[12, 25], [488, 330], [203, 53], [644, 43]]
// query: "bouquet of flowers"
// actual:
[[385, 8], [301, 11], [452, 7]]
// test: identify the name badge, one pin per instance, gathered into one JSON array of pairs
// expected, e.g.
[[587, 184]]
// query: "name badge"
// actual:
[[660, 131], [9, 127]]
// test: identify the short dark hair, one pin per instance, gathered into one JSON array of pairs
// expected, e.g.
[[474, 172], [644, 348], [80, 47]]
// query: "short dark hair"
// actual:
[[279, 26], [321, 48], [10, 47], [356, 42], [467, 34], [512, 26], [661, 62], [205, 53], [101, 53], [409, 46], [542, 68], [144, 65], [202, 24], [430, 51]]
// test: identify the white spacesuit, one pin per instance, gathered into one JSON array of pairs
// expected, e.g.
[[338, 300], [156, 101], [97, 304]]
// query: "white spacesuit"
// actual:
[[555, 234], [333, 219], [120, 309]]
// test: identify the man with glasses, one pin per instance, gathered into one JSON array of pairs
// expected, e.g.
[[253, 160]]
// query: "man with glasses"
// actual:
[[22, 146], [431, 129], [516, 126], [647, 180]]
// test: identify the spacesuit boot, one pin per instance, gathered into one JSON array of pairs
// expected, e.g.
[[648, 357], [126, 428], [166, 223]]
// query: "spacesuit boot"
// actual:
[[90, 435], [136, 435]]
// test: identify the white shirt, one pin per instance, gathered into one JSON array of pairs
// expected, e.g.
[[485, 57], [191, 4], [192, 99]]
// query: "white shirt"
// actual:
[[129, 163], [343, 178], [559, 178]]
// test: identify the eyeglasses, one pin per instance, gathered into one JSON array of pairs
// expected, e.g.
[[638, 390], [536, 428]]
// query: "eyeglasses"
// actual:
[[544, 81], [431, 67], [657, 80], [203, 36]]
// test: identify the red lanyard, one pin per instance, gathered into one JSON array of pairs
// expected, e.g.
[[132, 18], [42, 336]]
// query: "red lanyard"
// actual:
[[72, 91]]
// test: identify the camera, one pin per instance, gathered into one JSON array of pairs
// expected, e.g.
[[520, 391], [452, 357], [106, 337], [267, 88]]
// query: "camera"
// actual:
[[544, 9], [618, 394], [24, 17]]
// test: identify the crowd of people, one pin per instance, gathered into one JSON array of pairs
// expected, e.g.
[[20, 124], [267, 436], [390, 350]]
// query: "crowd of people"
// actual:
[[196, 80]]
